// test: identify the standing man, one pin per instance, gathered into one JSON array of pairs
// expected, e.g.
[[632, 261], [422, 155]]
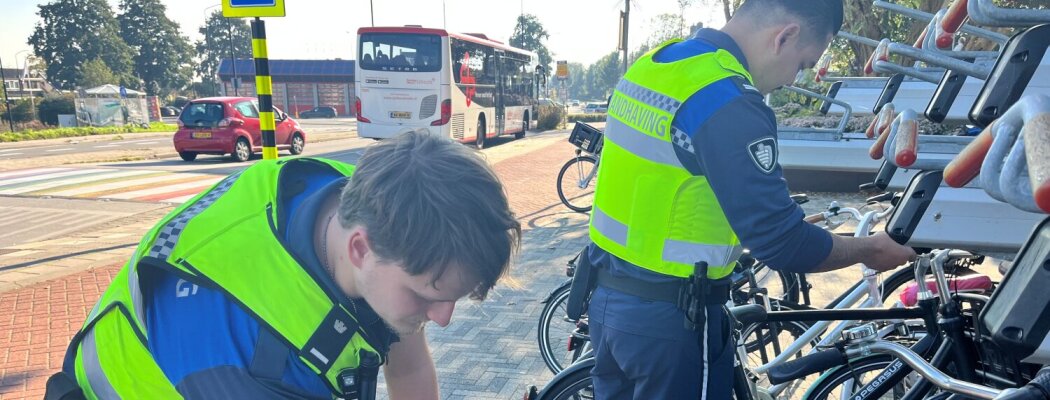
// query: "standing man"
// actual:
[[299, 278], [689, 174]]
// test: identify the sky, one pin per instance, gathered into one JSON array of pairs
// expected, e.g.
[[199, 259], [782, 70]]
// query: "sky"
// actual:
[[581, 30]]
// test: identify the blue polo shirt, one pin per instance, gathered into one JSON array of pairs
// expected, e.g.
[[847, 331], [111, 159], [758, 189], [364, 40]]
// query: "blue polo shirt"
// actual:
[[725, 120], [192, 328]]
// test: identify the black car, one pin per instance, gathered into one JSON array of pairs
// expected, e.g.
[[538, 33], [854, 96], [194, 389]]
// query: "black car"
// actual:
[[318, 112]]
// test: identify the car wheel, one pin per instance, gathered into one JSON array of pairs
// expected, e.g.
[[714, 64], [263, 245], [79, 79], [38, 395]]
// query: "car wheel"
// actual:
[[480, 141], [188, 155], [297, 144], [242, 151]]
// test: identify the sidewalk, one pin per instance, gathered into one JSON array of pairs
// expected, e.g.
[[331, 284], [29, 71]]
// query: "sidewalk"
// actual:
[[488, 352]]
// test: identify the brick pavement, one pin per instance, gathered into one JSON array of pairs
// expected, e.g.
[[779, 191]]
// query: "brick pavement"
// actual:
[[488, 352]]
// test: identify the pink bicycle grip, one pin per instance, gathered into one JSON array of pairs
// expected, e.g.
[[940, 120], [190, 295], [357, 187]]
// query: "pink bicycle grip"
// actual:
[[965, 166], [1037, 152], [906, 145], [951, 23]]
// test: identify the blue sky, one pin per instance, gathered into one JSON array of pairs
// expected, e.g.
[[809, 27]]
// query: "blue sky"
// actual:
[[581, 30]]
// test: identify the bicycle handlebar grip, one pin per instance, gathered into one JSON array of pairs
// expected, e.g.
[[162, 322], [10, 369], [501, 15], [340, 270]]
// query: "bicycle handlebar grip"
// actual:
[[1037, 147], [815, 218], [807, 365], [906, 146], [965, 166]]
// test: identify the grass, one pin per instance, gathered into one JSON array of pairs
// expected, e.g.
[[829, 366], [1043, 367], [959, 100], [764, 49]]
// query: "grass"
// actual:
[[56, 133]]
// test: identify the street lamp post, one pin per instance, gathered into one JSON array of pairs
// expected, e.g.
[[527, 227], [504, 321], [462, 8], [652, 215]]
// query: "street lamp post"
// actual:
[[22, 87]]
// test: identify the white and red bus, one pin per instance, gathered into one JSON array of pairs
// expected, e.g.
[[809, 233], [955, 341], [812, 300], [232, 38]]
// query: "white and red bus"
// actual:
[[462, 86]]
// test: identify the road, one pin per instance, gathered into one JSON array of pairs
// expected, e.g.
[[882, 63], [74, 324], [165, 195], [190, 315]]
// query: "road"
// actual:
[[136, 141]]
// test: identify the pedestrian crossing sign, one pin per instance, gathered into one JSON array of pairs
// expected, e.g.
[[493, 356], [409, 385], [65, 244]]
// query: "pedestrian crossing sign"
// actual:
[[252, 8]]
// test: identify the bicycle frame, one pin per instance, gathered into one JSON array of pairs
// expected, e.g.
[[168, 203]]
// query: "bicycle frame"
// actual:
[[869, 287], [586, 180]]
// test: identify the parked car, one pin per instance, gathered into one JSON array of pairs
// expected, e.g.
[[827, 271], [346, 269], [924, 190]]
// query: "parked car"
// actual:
[[230, 125], [319, 112], [169, 111], [598, 108]]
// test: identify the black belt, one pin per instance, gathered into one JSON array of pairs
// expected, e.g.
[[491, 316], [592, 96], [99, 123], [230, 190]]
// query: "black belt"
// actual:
[[668, 292]]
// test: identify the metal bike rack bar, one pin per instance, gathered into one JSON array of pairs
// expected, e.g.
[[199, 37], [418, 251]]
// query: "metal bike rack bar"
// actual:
[[971, 69], [1004, 173], [846, 114], [888, 67], [984, 12], [925, 16], [859, 39]]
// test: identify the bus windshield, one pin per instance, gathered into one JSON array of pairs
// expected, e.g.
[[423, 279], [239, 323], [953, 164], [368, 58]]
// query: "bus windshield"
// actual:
[[407, 52]]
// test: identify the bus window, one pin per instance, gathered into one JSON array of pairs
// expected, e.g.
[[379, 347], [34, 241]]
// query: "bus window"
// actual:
[[400, 52]]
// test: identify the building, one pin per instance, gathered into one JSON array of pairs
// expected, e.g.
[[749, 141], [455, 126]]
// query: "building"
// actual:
[[298, 85], [23, 84]]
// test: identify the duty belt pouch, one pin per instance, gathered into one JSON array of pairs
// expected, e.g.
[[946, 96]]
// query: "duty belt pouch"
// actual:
[[61, 386], [583, 282]]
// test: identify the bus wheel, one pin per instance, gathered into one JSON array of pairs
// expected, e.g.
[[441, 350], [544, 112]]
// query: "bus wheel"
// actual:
[[524, 127], [480, 141]]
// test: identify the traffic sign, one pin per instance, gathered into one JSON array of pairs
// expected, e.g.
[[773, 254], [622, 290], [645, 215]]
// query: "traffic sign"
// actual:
[[252, 8], [563, 70]]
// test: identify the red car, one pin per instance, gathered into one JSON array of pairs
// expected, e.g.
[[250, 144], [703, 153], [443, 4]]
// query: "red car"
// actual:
[[230, 125]]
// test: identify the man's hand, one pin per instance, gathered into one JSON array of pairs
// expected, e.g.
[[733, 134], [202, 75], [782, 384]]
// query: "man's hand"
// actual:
[[884, 254]]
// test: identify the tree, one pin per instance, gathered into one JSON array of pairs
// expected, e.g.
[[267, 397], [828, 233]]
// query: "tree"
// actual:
[[71, 32], [604, 74], [577, 81], [665, 27], [161, 52], [529, 34], [95, 73], [219, 34]]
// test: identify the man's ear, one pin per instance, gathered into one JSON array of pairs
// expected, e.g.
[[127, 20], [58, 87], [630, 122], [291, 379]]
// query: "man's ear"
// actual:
[[789, 35], [358, 247]]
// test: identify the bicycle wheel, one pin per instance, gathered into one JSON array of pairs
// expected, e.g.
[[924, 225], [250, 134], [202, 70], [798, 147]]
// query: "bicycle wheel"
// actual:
[[841, 382], [572, 174], [575, 385], [778, 284], [554, 331]]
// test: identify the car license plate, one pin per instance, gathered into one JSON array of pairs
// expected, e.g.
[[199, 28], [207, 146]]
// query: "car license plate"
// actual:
[[201, 135], [401, 114]]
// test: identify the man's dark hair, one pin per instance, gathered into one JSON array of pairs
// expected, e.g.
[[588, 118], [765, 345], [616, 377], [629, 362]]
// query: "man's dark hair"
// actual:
[[820, 18], [428, 202]]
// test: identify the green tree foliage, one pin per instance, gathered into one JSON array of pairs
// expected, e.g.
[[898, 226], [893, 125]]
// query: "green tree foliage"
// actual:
[[529, 34], [604, 74], [71, 32], [51, 106], [162, 54], [219, 32], [95, 73], [21, 111]]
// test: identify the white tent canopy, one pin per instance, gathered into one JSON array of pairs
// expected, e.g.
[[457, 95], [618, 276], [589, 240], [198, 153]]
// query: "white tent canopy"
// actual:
[[111, 91]]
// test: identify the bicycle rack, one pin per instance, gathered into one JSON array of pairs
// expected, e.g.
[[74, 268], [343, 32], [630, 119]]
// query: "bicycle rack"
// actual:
[[1000, 152], [1013, 71], [984, 12], [836, 132]]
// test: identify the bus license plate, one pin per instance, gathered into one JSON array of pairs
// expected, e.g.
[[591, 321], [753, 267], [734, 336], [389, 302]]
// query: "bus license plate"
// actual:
[[401, 114], [201, 135]]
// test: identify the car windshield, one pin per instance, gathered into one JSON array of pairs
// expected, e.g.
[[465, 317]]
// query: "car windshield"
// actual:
[[204, 115]]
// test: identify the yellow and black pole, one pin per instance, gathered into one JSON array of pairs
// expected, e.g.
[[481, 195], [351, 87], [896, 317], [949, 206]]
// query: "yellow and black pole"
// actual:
[[263, 84], [264, 89]]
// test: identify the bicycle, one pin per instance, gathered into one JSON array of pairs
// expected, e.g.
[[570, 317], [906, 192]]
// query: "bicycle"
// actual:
[[577, 177]]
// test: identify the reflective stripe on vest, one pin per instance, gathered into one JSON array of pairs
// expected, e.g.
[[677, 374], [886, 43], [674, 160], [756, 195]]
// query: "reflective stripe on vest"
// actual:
[[199, 243], [649, 209]]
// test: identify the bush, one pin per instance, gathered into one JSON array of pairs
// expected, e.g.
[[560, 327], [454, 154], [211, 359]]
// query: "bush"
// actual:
[[87, 131], [52, 106], [22, 111], [596, 117], [548, 117]]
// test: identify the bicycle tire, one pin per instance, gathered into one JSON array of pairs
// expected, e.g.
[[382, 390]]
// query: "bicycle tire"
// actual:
[[555, 308], [568, 386], [788, 290], [823, 388], [579, 202]]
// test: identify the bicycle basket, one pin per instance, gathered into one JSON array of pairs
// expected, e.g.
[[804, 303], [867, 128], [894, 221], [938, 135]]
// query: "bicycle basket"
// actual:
[[587, 138]]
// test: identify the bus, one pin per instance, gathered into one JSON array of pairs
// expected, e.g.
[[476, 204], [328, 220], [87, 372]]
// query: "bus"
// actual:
[[466, 87]]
